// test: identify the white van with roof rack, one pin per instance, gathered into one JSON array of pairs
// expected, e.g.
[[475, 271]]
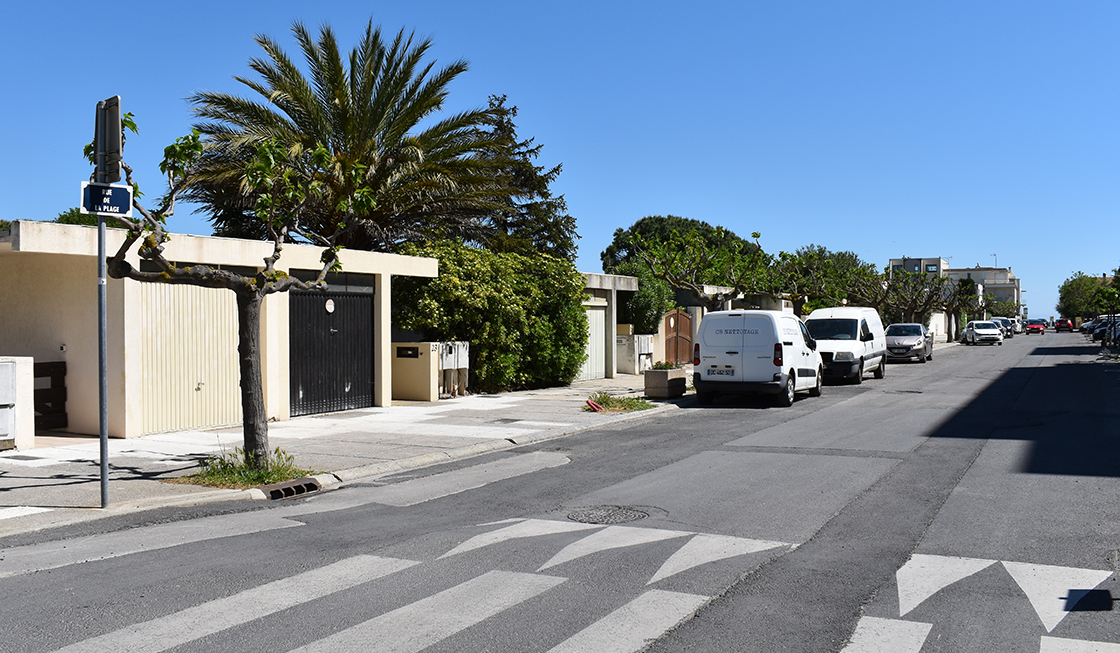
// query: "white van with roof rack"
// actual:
[[851, 340], [754, 351]]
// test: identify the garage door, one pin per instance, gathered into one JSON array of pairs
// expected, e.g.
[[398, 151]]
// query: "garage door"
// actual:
[[189, 349], [595, 367], [330, 352]]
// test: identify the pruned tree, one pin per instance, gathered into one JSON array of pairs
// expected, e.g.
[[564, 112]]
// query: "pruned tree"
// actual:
[[688, 261], [281, 187], [914, 296]]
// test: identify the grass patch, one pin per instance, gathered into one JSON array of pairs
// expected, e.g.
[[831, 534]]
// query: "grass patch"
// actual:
[[228, 470], [612, 404]]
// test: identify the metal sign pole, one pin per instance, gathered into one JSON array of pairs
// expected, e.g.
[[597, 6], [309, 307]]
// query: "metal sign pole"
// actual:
[[102, 321]]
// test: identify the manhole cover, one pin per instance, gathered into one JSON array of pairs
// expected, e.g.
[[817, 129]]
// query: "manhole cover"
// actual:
[[505, 420], [607, 515], [23, 457]]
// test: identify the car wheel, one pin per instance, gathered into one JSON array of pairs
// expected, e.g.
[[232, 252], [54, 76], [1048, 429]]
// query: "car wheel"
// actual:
[[922, 359], [930, 357], [859, 375], [816, 391], [881, 371], [784, 398]]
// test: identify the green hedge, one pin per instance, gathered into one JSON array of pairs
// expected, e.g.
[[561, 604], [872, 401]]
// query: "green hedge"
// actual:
[[523, 316]]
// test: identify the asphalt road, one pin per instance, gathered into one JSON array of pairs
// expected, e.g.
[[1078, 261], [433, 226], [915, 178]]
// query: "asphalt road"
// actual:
[[967, 504]]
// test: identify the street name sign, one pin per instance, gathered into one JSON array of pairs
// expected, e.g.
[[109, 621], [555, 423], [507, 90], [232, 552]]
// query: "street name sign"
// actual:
[[112, 200]]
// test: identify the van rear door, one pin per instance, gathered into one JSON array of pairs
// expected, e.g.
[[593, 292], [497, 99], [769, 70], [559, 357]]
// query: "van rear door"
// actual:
[[721, 347]]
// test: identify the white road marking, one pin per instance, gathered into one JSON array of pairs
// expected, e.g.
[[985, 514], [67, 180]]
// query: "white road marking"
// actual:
[[875, 635], [612, 537], [1047, 587], [633, 626], [215, 616], [708, 548], [411, 493], [21, 511], [51, 555], [527, 528], [415, 627], [1058, 645], [925, 575]]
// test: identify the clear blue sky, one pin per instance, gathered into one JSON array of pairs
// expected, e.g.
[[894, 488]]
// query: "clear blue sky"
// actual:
[[981, 132]]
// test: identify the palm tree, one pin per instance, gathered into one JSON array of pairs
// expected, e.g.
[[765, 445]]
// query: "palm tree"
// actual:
[[394, 180]]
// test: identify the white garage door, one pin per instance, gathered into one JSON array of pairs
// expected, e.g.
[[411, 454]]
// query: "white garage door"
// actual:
[[595, 367], [191, 376]]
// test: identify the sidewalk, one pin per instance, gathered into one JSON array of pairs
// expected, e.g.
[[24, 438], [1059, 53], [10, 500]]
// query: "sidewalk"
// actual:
[[58, 482]]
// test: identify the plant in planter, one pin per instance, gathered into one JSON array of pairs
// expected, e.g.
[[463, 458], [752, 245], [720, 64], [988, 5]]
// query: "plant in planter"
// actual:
[[664, 380]]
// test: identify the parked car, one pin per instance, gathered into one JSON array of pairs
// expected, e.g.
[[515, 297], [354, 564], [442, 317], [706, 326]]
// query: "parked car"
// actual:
[[752, 351], [982, 331], [1036, 326], [1101, 328], [851, 340], [1005, 325], [909, 341], [1089, 325], [1063, 324], [1017, 323]]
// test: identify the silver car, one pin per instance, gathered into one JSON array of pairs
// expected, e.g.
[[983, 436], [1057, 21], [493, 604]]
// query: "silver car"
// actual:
[[909, 341], [982, 331]]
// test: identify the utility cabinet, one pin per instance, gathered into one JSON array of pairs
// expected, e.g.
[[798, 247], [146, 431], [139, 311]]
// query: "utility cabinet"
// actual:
[[454, 367], [17, 402]]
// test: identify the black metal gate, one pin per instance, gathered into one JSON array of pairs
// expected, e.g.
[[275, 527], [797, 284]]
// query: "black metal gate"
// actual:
[[330, 351]]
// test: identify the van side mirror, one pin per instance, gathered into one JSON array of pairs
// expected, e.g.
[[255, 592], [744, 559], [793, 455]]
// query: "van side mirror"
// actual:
[[867, 337]]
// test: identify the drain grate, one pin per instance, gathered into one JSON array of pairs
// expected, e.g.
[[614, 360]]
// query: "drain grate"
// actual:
[[607, 515], [292, 488], [505, 420], [24, 457]]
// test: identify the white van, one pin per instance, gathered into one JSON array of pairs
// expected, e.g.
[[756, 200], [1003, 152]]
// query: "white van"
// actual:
[[766, 352], [851, 341]]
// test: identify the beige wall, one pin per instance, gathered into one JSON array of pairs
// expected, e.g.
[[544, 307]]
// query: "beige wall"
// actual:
[[416, 379], [49, 301]]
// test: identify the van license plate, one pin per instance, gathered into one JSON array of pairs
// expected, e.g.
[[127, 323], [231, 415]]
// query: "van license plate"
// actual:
[[723, 372]]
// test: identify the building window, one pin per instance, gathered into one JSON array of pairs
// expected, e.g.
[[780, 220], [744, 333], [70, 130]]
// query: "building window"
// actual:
[[931, 268]]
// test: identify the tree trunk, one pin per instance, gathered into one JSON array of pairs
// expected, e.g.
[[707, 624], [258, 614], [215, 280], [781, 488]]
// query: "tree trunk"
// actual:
[[254, 420]]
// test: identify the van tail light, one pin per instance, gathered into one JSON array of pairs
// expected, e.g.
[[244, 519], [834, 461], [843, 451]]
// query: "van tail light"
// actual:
[[696, 354], [778, 354]]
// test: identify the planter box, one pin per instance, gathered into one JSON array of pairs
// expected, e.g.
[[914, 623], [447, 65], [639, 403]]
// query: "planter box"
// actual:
[[664, 384]]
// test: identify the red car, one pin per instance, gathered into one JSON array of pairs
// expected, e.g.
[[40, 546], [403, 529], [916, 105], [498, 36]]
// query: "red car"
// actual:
[[1036, 326], [1063, 324]]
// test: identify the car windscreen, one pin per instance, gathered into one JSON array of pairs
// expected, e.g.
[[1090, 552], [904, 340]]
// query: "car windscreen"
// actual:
[[904, 330], [985, 325], [833, 328]]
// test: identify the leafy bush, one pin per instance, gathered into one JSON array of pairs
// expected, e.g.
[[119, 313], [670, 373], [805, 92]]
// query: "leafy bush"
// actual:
[[523, 315], [664, 365]]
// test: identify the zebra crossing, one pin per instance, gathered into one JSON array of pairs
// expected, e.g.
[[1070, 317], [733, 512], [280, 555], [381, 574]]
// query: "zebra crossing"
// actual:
[[628, 626]]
